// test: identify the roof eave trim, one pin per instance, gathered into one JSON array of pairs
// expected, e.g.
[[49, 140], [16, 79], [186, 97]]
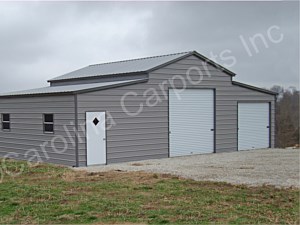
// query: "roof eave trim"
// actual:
[[76, 92], [63, 93], [97, 76], [254, 88]]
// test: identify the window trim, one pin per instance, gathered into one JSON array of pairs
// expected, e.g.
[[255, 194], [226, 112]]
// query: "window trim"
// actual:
[[5, 122], [48, 123]]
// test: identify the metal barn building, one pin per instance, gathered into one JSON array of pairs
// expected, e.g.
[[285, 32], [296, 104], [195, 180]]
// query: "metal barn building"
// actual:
[[148, 108]]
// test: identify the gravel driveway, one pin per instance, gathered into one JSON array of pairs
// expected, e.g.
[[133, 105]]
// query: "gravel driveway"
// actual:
[[279, 167]]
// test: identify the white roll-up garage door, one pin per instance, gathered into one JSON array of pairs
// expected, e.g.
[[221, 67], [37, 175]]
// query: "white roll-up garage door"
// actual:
[[253, 126], [191, 115]]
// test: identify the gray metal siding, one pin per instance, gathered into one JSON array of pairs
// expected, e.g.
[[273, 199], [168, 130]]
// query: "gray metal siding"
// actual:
[[146, 136], [26, 136], [227, 96], [247, 95], [133, 137]]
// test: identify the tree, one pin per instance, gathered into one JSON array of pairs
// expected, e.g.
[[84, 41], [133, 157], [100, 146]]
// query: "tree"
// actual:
[[287, 116]]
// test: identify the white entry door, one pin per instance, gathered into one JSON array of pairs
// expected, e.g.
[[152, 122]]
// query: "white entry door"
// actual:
[[191, 115], [96, 138], [253, 126]]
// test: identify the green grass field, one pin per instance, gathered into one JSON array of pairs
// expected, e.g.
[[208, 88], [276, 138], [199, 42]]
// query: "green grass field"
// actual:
[[56, 195]]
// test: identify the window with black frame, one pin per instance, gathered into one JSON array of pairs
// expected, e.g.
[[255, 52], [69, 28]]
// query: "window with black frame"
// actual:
[[6, 122], [49, 123]]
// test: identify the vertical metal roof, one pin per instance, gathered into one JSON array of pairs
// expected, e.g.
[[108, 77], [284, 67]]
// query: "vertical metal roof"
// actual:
[[121, 67]]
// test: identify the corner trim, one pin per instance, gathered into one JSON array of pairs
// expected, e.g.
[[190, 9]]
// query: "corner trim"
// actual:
[[76, 130], [215, 120], [169, 132], [270, 125]]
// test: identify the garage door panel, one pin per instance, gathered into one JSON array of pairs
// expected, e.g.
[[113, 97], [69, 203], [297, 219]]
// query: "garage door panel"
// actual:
[[254, 126], [191, 122]]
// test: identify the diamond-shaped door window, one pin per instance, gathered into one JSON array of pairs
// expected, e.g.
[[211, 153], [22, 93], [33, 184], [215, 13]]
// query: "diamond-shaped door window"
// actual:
[[96, 121]]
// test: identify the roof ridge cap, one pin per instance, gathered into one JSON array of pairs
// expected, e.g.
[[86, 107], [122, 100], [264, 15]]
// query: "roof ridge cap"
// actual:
[[136, 59]]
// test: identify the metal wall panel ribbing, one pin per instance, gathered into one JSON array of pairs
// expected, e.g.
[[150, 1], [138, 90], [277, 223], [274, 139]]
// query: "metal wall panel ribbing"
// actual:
[[129, 138], [145, 136], [26, 139]]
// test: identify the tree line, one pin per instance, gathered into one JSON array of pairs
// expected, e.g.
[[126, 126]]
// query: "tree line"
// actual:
[[287, 117]]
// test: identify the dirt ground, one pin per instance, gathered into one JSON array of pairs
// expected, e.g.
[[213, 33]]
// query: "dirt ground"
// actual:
[[278, 167]]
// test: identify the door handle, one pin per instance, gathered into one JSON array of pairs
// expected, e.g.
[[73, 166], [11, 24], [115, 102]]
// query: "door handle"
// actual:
[[212, 129], [104, 139]]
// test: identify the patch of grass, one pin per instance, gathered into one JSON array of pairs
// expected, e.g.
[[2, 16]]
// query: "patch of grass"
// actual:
[[47, 194]]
